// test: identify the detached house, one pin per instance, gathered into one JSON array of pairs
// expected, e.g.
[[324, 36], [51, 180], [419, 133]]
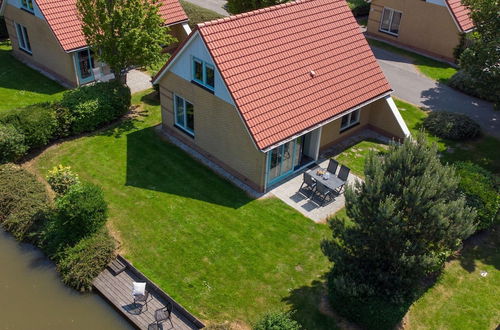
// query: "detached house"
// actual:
[[47, 35], [262, 93], [430, 26]]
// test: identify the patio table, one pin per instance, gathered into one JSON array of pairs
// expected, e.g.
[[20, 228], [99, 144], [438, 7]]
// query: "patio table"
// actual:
[[332, 183]]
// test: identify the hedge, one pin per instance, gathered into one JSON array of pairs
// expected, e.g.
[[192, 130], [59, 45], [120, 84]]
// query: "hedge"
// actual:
[[277, 321], [12, 144], [465, 83], [450, 125]]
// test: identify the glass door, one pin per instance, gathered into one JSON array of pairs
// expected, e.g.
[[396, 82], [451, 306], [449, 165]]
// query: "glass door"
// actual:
[[282, 160], [84, 66]]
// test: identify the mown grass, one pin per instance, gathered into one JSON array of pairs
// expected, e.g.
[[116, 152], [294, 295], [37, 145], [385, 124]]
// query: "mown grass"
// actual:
[[431, 68], [198, 14], [355, 156], [20, 85], [221, 254]]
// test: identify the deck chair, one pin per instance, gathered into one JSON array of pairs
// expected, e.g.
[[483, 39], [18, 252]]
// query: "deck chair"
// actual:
[[343, 175], [323, 191], [309, 182], [164, 314], [332, 166]]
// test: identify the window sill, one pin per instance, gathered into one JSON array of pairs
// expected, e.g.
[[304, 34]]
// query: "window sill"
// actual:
[[26, 51], [389, 33], [203, 86], [342, 130], [185, 131]]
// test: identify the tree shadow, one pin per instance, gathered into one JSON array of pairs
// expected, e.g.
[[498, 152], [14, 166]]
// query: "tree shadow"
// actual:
[[482, 246], [160, 166]]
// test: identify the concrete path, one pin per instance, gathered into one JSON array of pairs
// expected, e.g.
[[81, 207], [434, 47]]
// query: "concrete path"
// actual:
[[214, 5], [410, 85], [138, 81]]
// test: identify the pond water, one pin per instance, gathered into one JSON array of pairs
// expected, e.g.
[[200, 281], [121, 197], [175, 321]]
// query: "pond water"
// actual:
[[32, 295]]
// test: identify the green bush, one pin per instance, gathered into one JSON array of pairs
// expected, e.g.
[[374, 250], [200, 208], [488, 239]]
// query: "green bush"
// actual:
[[12, 144], [61, 178], [449, 125], [82, 211], [277, 321], [465, 83], [23, 201], [359, 7], [91, 107], [481, 192], [80, 264], [38, 123], [3, 29]]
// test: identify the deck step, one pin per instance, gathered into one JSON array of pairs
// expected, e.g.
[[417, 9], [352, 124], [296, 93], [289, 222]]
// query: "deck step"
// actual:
[[117, 266]]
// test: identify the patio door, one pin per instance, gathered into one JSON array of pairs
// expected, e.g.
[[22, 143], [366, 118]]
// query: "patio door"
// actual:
[[281, 160], [84, 64]]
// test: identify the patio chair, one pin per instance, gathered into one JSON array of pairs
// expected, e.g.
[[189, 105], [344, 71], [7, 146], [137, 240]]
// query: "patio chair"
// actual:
[[343, 175], [332, 166], [323, 192], [309, 182], [164, 314], [141, 298]]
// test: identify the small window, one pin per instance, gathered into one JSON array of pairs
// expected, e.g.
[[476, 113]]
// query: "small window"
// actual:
[[203, 74], [390, 21], [28, 5], [23, 38], [349, 120], [184, 115]]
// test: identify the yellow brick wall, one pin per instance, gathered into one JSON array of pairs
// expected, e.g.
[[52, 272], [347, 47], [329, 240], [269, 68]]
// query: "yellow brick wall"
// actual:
[[382, 118], [424, 26], [218, 129], [47, 53]]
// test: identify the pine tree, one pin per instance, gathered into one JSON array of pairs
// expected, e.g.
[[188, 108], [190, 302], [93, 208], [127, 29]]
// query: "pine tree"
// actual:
[[408, 218]]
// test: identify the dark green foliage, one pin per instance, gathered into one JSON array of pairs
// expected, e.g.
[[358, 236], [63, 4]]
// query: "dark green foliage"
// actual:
[[469, 85], [408, 217], [12, 144], [3, 29], [481, 192], [82, 211], [80, 264], [91, 107], [241, 6], [277, 321], [198, 14], [23, 201], [38, 123], [459, 49], [449, 125], [360, 7]]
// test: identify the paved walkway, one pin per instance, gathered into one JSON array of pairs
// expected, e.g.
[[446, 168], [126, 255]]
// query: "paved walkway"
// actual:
[[410, 85], [214, 5], [138, 81]]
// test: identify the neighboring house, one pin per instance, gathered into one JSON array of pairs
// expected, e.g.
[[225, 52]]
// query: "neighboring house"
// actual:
[[262, 93], [430, 26], [47, 35]]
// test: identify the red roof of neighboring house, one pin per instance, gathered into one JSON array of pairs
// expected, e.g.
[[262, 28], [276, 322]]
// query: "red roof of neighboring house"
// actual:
[[461, 14], [62, 17], [267, 58]]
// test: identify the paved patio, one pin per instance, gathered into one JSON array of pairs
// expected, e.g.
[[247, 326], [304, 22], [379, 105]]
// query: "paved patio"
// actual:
[[138, 81]]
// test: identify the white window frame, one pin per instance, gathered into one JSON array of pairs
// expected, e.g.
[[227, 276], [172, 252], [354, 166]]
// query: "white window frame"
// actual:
[[23, 39], [180, 126], [390, 21], [352, 119]]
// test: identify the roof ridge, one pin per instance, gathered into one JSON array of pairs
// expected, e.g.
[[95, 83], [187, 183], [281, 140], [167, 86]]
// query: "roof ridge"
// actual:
[[251, 13]]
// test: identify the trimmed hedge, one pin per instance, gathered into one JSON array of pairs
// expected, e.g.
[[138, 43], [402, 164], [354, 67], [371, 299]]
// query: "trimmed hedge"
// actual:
[[23, 202], [277, 321], [453, 126], [12, 144], [90, 107], [465, 83], [80, 264], [480, 190]]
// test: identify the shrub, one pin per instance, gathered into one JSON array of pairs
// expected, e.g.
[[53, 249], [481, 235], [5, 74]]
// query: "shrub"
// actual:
[[61, 178], [359, 7], [90, 107], [3, 29], [80, 264], [23, 201], [480, 190], [12, 144], [467, 84], [449, 125], [277, 321], [80, 212], [38, 123]]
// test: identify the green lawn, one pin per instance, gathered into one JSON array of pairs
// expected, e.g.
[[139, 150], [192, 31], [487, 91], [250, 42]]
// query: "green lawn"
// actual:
[[433, 69], [219, 253], [354, 157], [198, 14], [20, 85]]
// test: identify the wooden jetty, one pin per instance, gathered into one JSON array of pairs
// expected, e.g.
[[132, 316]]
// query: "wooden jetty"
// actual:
[[115, 284]]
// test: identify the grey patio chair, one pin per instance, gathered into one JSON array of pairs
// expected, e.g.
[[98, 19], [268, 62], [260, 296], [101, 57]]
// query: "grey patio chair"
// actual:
[[332, 166], [142, 298], [164, 314], [343, 175], [323, 191], [309, 182]]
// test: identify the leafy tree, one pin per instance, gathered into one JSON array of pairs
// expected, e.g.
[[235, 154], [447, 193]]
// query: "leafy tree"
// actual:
[[408, 215], [481, 60], [124, 33], [241, 6]]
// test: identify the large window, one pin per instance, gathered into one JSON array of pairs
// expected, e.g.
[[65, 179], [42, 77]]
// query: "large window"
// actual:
[[390, 21], [28, 5], [203, 73], [184, 115], [349, 120], [23, 39]]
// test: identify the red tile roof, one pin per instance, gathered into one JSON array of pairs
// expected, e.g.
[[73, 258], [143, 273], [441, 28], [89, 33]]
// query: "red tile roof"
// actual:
[[266, 58], [62, 17], [461, 14]]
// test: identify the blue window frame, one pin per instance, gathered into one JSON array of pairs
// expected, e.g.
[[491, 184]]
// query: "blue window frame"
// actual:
[[184, 114], [23, 38], [84, 66], [28, 5], [203, 73]]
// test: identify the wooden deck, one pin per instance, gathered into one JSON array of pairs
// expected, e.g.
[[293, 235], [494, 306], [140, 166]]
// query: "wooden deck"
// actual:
[[117, 289]]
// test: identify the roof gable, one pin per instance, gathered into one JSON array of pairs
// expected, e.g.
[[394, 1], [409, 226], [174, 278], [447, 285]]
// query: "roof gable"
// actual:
[[461, 15], [62, 17]]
